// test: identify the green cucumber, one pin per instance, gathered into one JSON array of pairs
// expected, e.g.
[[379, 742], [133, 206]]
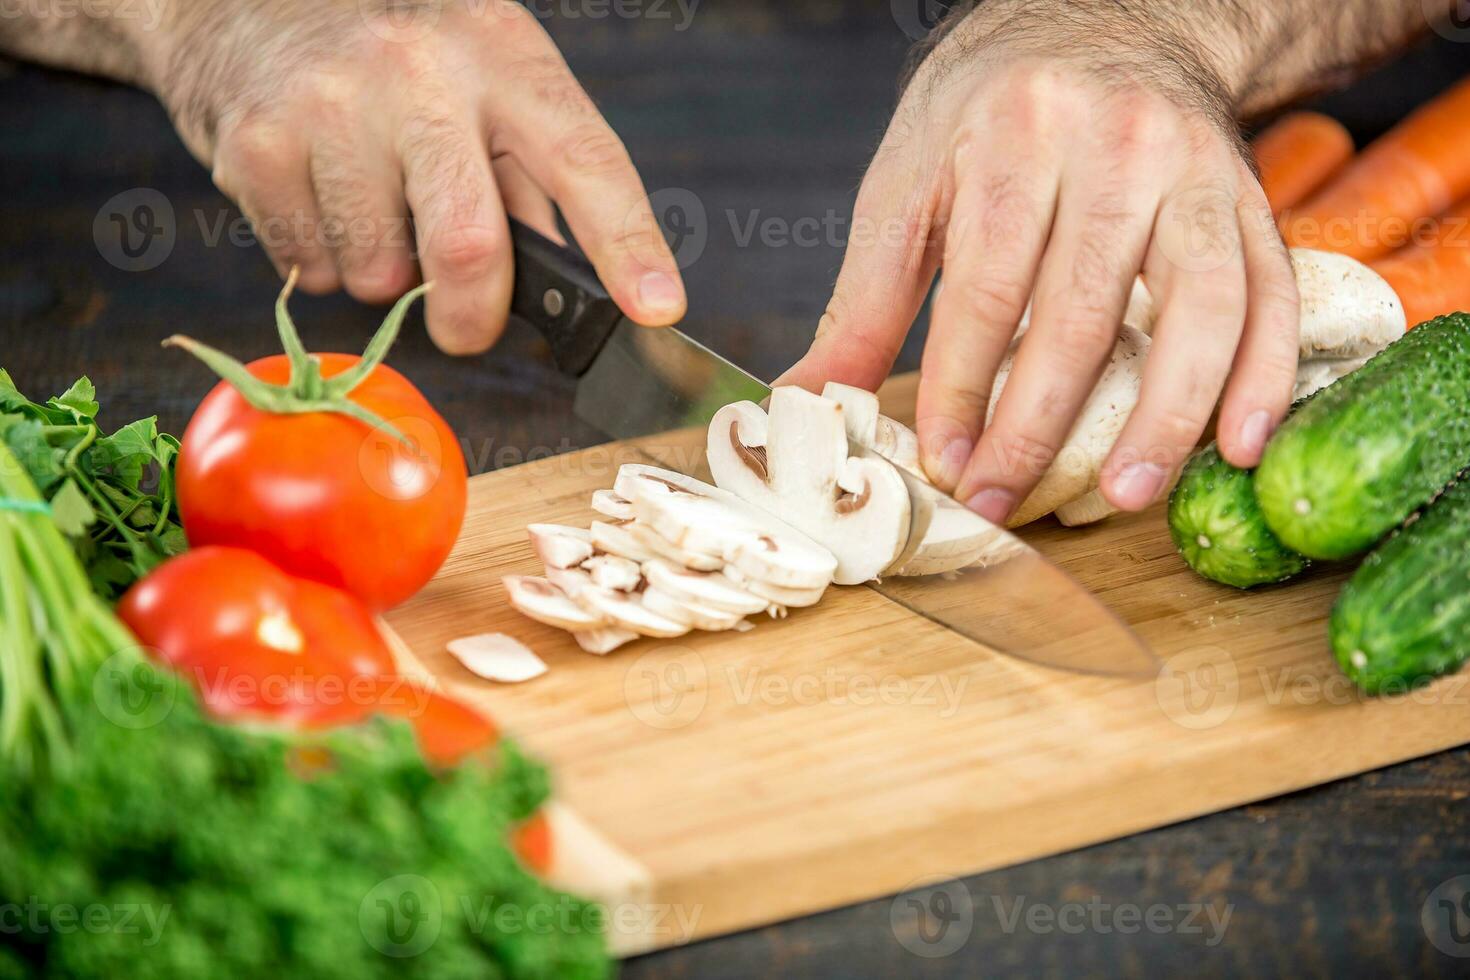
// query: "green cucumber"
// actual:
[[1218, 528], [1367, 452], [1404, 616]]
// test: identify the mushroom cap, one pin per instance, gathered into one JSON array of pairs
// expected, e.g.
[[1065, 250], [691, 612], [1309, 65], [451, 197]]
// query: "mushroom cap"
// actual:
[[1348, 310]]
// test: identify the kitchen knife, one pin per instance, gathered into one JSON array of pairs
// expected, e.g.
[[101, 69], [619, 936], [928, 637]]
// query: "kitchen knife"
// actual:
[[634, 381]]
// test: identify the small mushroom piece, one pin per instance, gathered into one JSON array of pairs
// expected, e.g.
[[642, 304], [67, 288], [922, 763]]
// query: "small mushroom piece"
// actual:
[[690, 613], [613, 572], [616, 539], [570, 580], [559, 546], [713, 589], [497, 657], [945, 537], [868, 428], [545, 603], [795, 464], [609, 504], [603, 640], [626, 610]]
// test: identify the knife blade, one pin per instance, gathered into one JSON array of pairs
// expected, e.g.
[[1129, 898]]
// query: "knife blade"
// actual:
[[635, 381]]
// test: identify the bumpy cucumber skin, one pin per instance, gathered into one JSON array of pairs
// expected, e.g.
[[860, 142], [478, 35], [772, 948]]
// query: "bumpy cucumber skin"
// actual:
[[1404, 616], [1215, 502], [1364, 454]]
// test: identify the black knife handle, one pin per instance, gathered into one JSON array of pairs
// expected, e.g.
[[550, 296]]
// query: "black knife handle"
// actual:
[[558, 293]]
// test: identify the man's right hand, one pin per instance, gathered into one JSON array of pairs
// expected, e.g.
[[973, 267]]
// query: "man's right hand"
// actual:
[[331, 121]]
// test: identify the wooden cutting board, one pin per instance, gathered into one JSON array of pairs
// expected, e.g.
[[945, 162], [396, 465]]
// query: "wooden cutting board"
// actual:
[[855, 749]]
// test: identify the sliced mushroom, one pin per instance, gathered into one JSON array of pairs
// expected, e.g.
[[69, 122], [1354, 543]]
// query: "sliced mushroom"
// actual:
[[710, 521], [1089, 508], [775, 595], [626, 610], [570, 580], [690, 613], [609, 504], [795, 464], [559, 546], [945, 537], [545, 603], [497, 657], [616, 539], [614, 572], [662, 547], [604, 639], [716, 590]]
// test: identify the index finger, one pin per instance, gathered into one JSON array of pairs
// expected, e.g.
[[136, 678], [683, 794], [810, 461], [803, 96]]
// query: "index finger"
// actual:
[[550, 124]]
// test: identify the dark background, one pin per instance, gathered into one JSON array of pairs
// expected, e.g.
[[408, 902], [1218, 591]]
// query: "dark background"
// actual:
[[761, 109]]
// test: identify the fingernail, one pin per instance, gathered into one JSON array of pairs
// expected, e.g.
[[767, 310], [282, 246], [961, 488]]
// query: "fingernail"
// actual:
[[993, 503], [1136, 485], [949, 462], [659, 291], [1254, 432]]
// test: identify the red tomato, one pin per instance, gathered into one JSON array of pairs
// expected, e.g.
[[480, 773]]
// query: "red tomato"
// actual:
[[447, 730], [257, 642], [322, 494], [532, 842]]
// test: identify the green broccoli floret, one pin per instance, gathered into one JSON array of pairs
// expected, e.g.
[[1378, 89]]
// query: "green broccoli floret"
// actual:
[[171, 846]]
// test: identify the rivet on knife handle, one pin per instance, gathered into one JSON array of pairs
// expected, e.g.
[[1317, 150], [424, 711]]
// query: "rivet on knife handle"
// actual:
[[558, 293]]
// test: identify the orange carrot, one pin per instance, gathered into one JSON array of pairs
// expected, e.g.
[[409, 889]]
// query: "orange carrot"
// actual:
[[1299, 153], [1418, 169], [1433, 277]]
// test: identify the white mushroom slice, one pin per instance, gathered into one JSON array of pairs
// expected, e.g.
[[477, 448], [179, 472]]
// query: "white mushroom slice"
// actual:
[[1086, 509], [705, 519], [616, 539], [626, 610], [775, 595], [945, 537], [866, 427], [603, 640], [681, 611], [1077, 467], [545, 603], [796, 465], [661, 547], [497, 657], [570, 580], [898, 444], [613, 572], [713, 589], [559, 546], [609, 504]]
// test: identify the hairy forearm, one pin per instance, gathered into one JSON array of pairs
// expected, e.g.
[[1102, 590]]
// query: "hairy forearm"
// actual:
[[115, 38], [1253, 54]]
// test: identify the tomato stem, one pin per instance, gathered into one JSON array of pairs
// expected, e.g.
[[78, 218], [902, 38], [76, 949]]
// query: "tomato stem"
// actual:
[[306, 390]]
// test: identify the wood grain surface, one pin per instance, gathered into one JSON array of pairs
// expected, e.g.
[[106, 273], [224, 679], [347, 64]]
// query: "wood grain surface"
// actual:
[[760, 109], [855, 749]]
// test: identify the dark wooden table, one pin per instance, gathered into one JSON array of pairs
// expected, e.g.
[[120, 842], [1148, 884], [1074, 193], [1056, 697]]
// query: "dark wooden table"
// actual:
[[755, 110]]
